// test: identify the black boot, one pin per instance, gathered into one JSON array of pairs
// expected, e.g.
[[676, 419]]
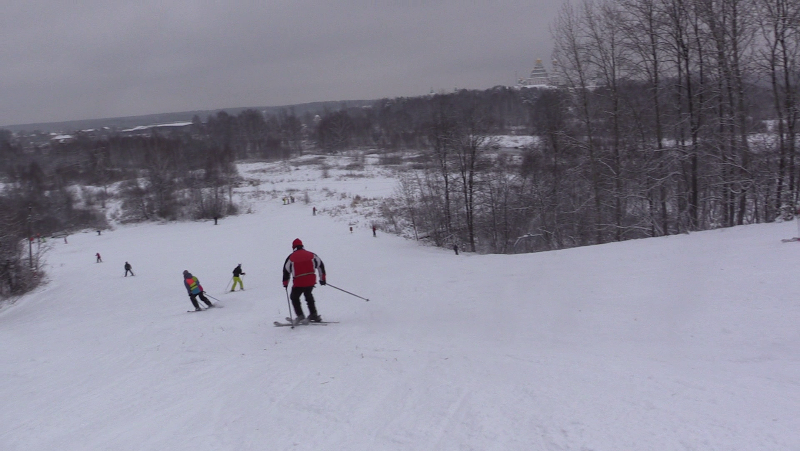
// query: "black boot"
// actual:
[[315, 318]]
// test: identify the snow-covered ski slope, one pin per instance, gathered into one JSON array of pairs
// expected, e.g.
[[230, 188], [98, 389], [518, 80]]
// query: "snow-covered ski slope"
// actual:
[[687, 342]]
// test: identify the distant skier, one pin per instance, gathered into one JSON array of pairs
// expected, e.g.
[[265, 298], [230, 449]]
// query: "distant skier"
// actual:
[[455, 248], [237, 272], [99, 260], [301, 266], [128, 269], [314, 211], [194, 289], [373, 231]]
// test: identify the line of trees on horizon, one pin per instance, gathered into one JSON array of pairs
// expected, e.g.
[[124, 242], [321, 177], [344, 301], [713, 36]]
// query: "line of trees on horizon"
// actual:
[[670, 116], [686, 109]]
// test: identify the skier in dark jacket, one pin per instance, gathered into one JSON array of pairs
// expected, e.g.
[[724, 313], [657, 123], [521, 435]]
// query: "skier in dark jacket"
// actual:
[[194, 289], [237, 272], [128, 269], [302, 266]]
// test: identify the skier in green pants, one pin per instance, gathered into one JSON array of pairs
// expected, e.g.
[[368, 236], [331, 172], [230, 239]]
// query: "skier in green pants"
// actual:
[[237, 272]]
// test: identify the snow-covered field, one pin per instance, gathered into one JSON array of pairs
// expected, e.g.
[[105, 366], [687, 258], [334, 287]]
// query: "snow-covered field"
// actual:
[[514, 141], [687, 342]]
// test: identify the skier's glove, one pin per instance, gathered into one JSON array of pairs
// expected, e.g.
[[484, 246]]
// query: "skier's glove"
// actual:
[[322, 282], [285, 284]]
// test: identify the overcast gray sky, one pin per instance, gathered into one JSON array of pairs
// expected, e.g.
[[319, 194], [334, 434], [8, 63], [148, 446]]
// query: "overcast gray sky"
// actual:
[[94, 59]]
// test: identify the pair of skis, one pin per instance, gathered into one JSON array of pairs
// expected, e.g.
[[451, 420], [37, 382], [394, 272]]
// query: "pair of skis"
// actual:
[[303, 322], [204, 309], [289, 321]]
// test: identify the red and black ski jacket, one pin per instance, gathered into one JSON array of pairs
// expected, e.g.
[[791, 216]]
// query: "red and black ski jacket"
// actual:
[[301, 266]]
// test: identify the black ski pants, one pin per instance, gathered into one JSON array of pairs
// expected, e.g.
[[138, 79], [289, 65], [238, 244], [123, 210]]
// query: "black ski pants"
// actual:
[[203, 298], [298, 307]]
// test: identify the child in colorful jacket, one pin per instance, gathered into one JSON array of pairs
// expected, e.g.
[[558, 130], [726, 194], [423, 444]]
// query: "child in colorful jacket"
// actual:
[[194, 289]]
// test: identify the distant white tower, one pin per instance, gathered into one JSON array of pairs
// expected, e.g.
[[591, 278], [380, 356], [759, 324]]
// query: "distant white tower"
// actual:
[[539, 77]]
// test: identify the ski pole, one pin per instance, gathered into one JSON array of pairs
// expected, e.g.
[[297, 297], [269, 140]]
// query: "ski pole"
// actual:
[[351, 294], [212, 297], [290, 306], [226, 285]]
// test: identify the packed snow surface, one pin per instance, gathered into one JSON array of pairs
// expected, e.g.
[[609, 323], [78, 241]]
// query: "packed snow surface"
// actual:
[[687, 342]]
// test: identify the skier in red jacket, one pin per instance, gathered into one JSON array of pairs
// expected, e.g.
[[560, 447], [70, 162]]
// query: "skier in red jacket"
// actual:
[[302, 266]]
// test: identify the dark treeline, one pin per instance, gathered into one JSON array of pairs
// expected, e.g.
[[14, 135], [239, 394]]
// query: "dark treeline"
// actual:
[[685, 112], [402, 123], [671, 116]]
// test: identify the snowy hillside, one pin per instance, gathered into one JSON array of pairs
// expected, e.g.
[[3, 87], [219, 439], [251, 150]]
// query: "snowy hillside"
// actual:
[[687, 342]]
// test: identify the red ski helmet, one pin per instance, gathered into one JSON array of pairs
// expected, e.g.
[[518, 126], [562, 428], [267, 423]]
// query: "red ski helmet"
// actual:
[[296, 243]]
